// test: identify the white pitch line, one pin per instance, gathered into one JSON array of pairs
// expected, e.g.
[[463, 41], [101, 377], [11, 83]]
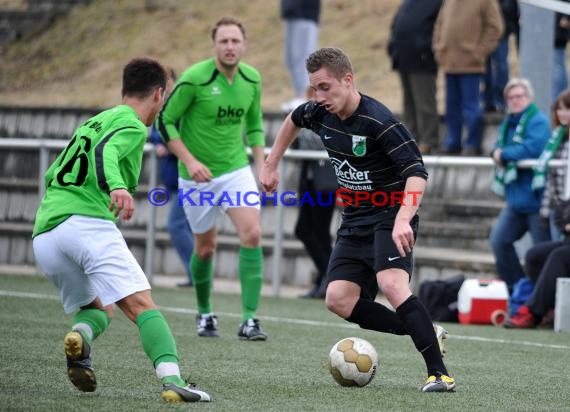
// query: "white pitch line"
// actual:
[[305, 322]]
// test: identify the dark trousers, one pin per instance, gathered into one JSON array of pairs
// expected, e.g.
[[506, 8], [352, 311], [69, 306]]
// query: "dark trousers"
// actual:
[[546, 262], [420, 106], [313, 229]]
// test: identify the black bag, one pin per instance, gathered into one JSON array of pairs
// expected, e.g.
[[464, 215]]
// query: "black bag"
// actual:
[[440, 298], [323, 175]]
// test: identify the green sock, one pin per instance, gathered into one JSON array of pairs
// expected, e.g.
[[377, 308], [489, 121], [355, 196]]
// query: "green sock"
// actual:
[[251, 279], [92, 322], [156, 338], [202, 279]]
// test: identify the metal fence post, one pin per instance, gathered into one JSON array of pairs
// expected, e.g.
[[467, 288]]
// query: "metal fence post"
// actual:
[[43, 166], [278, 239], [151, 219]]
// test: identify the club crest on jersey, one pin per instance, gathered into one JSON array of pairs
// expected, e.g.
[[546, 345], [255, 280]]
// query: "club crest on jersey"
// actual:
[[359, 145]]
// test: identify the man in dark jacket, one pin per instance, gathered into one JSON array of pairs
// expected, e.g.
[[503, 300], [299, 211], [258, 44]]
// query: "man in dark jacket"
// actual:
[[411, 53], [561, 37], [497, 70]]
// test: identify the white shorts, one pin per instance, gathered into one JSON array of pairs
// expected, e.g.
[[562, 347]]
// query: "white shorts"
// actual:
[[204, 202], [87, 257]]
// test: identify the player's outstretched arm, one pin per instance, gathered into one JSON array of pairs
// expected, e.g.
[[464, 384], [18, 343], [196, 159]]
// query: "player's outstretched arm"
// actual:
[[269, 176]]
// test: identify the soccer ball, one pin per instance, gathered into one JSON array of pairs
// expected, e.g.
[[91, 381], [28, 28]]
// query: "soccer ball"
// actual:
[[353, 362]]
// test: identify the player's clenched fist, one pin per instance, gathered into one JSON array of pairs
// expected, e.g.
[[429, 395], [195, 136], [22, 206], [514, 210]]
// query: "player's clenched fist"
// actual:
[[269, 178]]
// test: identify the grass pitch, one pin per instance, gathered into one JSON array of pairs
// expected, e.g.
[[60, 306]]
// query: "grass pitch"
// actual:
[[495, 369]]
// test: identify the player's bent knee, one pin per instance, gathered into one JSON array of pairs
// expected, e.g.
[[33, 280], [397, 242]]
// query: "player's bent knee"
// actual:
[[338, 304], [133, 305], [205, 252], [251, 237]]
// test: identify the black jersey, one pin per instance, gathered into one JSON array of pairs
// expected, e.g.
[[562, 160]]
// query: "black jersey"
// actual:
[[373, 154]]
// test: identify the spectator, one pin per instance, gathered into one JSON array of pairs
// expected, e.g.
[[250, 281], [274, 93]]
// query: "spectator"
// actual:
[[561, 36], [314, 221], [522, 135], [465, 33], [412, 57], [546, 262], [177, 226], [203, 122], [497, 68], [556, 148], [301, 18]]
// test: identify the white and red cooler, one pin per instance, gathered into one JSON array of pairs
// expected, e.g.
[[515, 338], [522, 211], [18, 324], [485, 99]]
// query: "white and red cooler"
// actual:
[[482, 301]]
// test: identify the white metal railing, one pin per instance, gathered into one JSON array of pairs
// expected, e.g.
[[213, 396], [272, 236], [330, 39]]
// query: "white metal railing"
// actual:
[[46, 145], [554, 5]]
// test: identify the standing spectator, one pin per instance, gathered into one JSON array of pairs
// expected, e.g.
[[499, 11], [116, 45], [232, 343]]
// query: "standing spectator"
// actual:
[[554, 178], [412, 57], [301, 18], [78, 246], [465, 33], [561, 36], [177, 225], [203, 122], [314, 221], [522, 135], [497, 68], [375, 153]]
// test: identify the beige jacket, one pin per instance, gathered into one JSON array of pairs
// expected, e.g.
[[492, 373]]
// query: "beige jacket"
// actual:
[[465, 33]]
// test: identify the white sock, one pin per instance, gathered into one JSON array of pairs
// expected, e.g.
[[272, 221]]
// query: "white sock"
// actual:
[[167, 369], [84, 327]]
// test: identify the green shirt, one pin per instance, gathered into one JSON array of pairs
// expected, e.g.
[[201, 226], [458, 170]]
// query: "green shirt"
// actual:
[[104, 154], [211, 115]]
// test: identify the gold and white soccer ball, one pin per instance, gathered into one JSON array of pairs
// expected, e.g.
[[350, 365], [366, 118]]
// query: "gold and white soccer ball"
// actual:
[[353, 362]]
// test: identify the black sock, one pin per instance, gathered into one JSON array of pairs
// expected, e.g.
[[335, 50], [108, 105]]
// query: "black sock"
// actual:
[[418, 323], [374, 316]]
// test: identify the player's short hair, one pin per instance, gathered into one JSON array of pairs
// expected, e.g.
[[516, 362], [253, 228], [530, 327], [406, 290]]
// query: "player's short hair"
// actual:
[[227, 21], [519, 82], [141, 76], [334, 59]]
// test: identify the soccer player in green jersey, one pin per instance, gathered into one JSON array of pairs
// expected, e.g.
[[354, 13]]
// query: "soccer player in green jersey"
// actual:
[[203, 122], [80, 249]]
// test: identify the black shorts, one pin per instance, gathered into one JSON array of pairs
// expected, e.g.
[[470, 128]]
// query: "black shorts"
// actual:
[[361, 252]]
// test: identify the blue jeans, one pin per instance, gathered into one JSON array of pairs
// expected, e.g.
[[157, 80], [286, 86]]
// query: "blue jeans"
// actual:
[[497, 76], [510, 227], [181, 235], [559, 72], [462, 105]]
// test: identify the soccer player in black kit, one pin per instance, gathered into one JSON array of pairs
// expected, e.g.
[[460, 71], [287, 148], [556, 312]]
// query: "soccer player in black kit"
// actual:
[[380, 169]]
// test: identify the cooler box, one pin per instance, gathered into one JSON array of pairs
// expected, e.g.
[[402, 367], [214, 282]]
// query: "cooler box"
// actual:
[[479, 298]]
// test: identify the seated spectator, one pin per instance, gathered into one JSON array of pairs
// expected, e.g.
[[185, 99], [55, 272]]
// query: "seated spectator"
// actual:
[[522, 135], [546, 262]]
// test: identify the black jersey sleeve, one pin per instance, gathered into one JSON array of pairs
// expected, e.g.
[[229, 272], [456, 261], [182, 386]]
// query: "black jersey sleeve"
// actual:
[[402, 149], [305, 115]]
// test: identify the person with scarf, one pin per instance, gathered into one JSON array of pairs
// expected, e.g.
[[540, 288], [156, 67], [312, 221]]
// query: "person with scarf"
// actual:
[[522, 135], [553, 180]]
